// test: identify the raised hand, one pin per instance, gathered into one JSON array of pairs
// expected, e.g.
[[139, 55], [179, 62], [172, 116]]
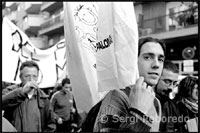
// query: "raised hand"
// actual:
[[30, 86], [141, 96]]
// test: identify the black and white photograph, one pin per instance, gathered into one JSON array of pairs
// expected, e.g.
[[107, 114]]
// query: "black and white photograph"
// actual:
[[100, 66]]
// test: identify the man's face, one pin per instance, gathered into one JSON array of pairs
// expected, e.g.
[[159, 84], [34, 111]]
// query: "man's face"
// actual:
[[167, 82], [150, 62], [29, 74]]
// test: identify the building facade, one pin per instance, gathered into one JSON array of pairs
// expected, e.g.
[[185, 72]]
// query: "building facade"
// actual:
[[174, 22], [41, 21], [53, 26]]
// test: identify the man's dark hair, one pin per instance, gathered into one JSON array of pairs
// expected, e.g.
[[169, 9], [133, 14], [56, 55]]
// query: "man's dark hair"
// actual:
[[170, 66], [29, 64], [142, 41], [65, 81]]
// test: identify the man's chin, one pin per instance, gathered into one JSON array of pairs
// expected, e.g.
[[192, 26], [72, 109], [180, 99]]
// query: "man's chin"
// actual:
[[152, 82]]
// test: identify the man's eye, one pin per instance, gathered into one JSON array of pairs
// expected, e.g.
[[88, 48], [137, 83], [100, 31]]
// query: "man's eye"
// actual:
[[175, 84], [147, 57], [161, 60], [167, 81]]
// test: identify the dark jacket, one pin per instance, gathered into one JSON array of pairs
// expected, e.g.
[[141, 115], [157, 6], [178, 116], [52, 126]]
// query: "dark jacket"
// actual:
[[88, 124], [186, 114], [170, 115], [11, 104]]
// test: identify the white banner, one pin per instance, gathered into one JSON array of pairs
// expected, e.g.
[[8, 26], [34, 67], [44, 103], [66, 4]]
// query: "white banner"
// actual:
[[117, 46], [114, 48], [17, 48], [80, 21]]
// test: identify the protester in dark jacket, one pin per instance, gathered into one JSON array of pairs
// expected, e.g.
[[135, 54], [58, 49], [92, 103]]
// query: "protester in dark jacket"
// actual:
[[170, 112], [187, 100], [27, 107]]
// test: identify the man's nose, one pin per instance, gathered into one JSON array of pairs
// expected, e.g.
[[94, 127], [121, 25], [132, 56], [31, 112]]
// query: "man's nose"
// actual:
[[171, 86], [31, 78], [155, 64]]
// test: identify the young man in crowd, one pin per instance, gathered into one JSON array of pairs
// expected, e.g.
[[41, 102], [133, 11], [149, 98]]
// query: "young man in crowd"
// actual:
[[64, 107], [135, 108]]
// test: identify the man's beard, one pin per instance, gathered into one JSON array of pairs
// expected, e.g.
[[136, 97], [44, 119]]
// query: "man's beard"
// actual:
[[167, 92]]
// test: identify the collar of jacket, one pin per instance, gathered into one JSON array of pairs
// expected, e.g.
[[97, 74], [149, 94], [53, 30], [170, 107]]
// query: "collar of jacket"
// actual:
[[162, 97], [40, 98]]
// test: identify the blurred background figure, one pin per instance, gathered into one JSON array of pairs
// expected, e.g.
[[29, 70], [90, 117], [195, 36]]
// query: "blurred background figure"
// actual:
[[64, 107], [182, 14], [187, 101]]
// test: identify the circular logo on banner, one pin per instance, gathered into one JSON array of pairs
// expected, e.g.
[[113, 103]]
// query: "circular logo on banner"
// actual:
[[188, 53]]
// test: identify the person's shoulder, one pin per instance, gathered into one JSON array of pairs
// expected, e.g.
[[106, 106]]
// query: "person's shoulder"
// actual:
[[14, 86], [56, 94], [116, 97], [180, 104], [115, 93], [10, 88]]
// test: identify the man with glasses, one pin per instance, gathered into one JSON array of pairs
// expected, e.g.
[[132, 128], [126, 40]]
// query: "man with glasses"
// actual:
[[167, 82]]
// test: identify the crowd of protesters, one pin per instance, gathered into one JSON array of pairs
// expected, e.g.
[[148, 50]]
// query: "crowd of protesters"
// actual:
[[27, 108], [146, 105]]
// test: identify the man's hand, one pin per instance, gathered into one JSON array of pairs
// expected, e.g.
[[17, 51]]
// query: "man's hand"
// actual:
[[29, 86], [141, 97], [60, 121]]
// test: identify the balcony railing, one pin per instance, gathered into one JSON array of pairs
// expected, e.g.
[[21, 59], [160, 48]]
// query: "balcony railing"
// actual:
[[46, 5], [32, 7], [52, 21], [51, 6], [33, 21], [169, 22]]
